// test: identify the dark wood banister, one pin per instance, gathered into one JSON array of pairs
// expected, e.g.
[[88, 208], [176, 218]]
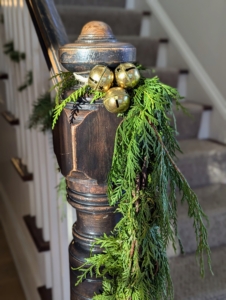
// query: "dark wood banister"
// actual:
[[50, 30]]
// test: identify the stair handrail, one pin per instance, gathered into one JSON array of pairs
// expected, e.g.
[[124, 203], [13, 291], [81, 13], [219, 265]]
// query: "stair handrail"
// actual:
[[188, 55], [50, 30]]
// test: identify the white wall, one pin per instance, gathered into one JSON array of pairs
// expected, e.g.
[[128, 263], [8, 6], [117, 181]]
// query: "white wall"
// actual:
[[202, 23]]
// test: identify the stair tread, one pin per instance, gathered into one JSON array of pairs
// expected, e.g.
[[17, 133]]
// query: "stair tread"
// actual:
[[202, 162], [115, 3], [188, 285], [191, 106], [197, 147], [122, 21], [166, 75], [212, 200], [188, 125]]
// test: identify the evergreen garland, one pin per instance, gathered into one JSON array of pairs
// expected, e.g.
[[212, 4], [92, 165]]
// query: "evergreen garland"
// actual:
[[142, 185], [78, 97], [42, 113], [14, 55], [28, 81]]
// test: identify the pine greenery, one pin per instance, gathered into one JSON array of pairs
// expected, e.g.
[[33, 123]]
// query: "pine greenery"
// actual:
[[14, 55], [42, 113], [67, 83], [142, 185], [72, 98], [28, 81]]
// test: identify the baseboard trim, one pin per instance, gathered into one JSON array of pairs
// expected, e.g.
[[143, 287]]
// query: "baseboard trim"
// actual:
[[44, 293], [36, 234], [23, 259]]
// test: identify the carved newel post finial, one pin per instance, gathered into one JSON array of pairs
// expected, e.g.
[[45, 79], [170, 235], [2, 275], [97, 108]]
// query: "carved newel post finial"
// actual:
[[84, 150]]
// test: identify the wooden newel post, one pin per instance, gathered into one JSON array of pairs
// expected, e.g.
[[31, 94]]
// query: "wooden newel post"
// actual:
[[84, 150]]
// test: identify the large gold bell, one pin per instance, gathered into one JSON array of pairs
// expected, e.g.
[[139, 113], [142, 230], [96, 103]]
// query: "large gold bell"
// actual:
[[116, 100], [100, 78], [127, 75]]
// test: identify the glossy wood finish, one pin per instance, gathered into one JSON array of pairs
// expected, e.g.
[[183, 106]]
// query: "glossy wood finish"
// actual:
[[95, 45], [84, 152], [36, 234], [50, 30], [10, 118], [21, 169]]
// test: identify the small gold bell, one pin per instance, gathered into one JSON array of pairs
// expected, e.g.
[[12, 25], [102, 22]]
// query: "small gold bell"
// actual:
[[100, 78], [127, 75], [116, 100]]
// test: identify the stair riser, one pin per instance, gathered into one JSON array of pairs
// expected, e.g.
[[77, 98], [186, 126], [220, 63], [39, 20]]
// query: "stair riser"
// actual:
[[216, 231], [188, 127], [204, 168]]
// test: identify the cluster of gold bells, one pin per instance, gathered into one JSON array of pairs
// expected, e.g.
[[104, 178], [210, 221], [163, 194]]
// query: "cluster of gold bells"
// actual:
[[126, 76]]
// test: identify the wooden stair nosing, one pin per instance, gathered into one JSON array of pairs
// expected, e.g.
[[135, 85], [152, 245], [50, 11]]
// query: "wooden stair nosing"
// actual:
[[146, 13], [3, 76], [44, 293], [164, 40], [184, 71], [36, 234], [21, 169], [10, 118]]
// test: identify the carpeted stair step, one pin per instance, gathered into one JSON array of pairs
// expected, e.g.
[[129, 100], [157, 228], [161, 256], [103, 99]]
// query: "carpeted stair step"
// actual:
[[188, 285], [111, 3], [188, 125], [147, 48], [212, 200], [122, 22], [202, 162], [167, 75]]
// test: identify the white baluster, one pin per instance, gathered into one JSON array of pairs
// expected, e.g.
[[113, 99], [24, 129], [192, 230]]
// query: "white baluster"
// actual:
[[54, 223]]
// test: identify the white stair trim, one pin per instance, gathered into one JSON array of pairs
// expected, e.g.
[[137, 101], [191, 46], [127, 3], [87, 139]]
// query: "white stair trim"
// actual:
[[193, 63], [23, 259]]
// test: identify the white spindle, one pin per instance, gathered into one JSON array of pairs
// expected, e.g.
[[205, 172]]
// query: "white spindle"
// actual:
[[37, 175], [65, 239], [11, 72], [54, 224], [25, 99], [19, 79]]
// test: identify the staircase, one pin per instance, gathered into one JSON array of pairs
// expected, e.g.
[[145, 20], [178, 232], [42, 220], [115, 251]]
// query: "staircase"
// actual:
[[203, 161]]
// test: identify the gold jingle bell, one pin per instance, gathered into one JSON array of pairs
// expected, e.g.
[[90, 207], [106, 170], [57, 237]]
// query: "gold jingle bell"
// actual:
[[100, 78], [127, 75], [116, 100]]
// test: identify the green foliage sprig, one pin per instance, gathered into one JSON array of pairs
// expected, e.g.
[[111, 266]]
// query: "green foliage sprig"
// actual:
[[8, 47], [142, 186], [72, 98], [67, 83], [42, 113], [14, 55], [28, 81]]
